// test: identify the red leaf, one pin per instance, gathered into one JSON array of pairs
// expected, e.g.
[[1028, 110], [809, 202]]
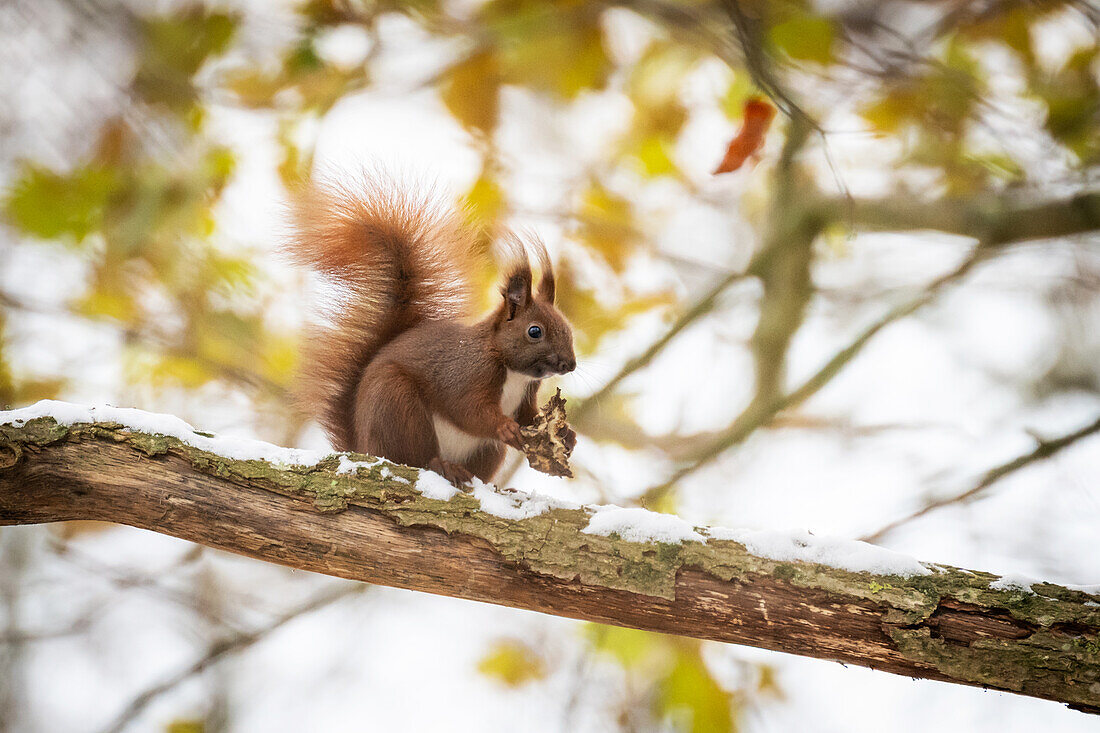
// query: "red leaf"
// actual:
[[758, 117]]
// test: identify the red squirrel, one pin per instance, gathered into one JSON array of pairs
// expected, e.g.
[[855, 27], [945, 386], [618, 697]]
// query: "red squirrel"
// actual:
[[401, 371]]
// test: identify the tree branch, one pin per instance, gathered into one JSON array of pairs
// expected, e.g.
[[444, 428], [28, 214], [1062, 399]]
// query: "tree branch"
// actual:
[[995, 223], [368, 522], [992, 220]]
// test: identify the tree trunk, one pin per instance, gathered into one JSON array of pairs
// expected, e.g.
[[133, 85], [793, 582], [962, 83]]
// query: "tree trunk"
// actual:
[[371, 524]]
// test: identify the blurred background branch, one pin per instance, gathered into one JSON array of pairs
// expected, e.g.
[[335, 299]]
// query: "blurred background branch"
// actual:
[[1044, 448]]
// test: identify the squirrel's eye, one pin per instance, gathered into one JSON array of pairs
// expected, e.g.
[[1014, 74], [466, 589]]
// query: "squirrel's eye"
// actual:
[[535, 332]]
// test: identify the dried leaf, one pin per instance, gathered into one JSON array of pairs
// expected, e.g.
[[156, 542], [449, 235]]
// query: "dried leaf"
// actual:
[[758, 117], [549, 441]]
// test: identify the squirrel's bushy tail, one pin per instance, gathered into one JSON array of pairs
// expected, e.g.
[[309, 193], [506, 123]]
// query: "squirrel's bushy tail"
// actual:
[[396, 258]]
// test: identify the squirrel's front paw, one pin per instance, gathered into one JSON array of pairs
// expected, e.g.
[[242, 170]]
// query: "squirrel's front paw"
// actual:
[[508, 433]]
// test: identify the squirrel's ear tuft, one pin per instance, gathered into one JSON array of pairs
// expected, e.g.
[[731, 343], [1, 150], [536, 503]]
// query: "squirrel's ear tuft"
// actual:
[[517, 290], [512, 256], [546, 286], [546, 282]]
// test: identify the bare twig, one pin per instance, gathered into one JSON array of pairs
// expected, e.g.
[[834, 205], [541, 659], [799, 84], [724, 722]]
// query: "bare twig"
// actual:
[[79, 626], [698, 309], [1044, 449], [749, 37], [758, 414], [223, 649], [152, 584]]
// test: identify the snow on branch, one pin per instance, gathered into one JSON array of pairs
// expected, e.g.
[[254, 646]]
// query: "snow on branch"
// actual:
[[368, 519]]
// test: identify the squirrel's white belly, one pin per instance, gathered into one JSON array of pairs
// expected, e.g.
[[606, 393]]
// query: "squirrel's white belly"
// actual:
[[454, 445], [457, 445]]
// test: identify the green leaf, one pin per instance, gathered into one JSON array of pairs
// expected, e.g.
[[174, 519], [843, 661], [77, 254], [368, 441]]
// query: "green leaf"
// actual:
[[296, 166], [484, 202], [218, 165], [185, 725], [173, 49], [1072, 97], [171, 370], [999, 165], [657, 78], [185, 40], [655, 156], [654, 87], [804, 38], [584, 63], [318, 85], [107, 303], [303, 59], [49, 206], [279, 358], [893, 110]]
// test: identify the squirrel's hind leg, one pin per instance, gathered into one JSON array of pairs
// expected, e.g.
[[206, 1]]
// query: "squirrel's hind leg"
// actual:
[[392, 420], [485, 461]]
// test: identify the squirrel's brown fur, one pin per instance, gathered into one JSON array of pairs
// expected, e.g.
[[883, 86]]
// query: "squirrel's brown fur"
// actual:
[[397, 372], [401, 260]]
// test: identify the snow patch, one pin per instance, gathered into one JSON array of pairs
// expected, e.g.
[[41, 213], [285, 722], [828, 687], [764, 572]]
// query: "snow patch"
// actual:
[[513, 503], [1092, 589], [634, 524], [1021, 582], [238, 449], [1014, 581], [434, 486], [349, 466], [390, 475], [801, 546]]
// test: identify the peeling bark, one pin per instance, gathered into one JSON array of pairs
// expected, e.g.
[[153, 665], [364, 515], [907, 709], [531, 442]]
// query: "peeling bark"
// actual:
[[373, 525]]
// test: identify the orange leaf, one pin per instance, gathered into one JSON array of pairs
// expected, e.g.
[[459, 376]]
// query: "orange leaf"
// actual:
[[758, 116]]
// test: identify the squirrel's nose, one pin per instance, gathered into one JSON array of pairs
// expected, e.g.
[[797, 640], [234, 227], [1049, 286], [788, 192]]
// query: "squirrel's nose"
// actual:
[[567, 365]]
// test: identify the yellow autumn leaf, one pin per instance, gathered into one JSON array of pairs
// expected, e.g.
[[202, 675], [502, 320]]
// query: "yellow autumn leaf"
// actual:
[[629, 647], [484, 202], [106, 302], [513, 663], [691, 697], [471, 91], [607, 226]]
